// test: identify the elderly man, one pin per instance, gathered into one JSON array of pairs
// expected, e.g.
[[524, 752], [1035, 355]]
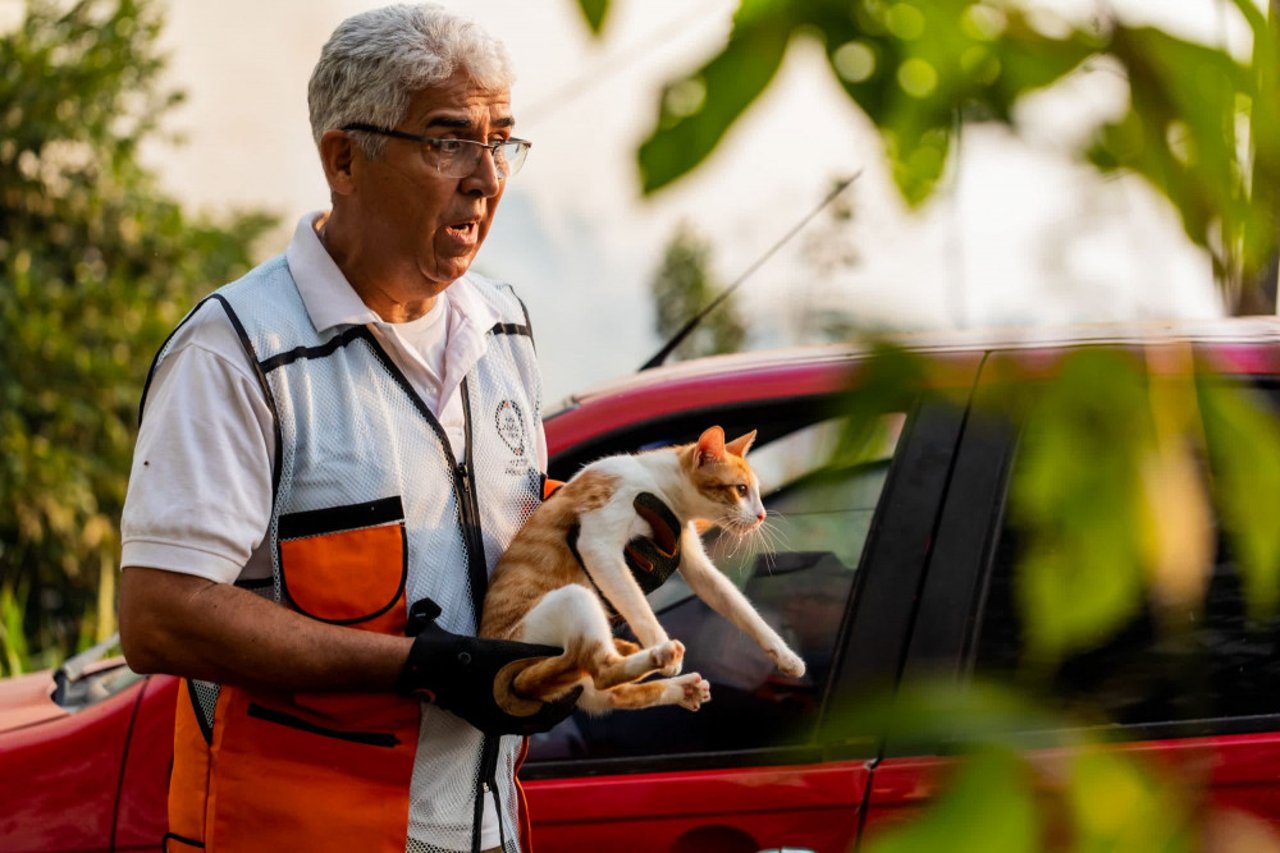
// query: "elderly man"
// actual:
[[334, 451]]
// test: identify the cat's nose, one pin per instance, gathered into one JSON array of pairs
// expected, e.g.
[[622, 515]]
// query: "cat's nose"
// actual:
[[760, 515]]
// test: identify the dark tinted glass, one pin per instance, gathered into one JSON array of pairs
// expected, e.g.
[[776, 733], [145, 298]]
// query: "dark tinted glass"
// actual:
[[1217, 672]]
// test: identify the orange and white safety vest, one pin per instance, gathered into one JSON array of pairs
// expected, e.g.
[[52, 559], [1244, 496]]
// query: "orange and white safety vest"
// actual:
[[371, 513]]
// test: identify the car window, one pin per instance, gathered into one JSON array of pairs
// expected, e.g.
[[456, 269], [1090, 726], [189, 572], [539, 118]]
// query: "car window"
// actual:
[[1215, 674], [799, 575]]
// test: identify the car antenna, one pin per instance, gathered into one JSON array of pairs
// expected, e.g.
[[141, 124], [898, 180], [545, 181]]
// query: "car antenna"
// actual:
[[678, 338]]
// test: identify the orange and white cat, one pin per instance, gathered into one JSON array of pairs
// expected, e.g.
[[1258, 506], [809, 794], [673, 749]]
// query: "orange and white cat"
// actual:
[[542, 592]]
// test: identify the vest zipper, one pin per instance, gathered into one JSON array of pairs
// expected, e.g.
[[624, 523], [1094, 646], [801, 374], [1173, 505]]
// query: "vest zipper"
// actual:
[[471, 511]]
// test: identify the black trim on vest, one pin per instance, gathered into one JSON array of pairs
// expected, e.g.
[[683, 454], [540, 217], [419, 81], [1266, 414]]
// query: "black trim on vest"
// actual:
[[478, 568], [334, 519], [462, 479], [400, 379], [255, 583], [206, 730], [282, 718], [155, 360], [355, 620], [247, 344], [190, 842], [329, 347], [277, 466], [511, 329], [528, 324]]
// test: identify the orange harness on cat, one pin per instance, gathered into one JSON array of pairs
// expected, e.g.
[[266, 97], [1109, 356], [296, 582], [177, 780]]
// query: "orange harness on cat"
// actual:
[[652, 559]]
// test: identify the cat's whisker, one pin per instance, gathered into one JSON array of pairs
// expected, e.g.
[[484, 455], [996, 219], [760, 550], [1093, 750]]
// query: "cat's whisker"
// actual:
[[777, 537]]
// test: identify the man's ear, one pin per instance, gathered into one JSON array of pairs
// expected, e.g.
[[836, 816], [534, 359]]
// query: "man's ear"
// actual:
[[337, 155]]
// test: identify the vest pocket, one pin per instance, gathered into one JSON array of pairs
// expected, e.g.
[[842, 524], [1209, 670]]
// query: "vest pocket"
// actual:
[[347, 565], [283, 718]]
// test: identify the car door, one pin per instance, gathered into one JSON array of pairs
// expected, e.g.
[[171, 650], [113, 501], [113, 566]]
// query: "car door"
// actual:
[[761, 767], [1203, 708]]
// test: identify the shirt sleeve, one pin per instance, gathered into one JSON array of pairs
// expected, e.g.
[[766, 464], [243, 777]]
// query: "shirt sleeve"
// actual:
[[200, 490]]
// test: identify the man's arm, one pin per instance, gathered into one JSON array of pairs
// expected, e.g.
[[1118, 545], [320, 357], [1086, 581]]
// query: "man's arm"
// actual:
[[187, 625]]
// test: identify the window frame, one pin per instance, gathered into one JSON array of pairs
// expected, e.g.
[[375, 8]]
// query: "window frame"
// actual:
[[881, 599]]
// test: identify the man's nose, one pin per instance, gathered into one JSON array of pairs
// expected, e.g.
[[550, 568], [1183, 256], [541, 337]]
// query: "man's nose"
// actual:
[[484, 178]]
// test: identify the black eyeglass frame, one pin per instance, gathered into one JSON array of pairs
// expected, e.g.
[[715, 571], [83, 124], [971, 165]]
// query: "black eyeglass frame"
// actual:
[[435, 141]]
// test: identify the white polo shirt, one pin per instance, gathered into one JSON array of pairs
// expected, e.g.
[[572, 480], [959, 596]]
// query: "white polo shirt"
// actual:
[[200, 491]]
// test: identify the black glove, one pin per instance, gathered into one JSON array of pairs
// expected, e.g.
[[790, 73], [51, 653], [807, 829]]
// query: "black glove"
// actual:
[[458, 673]]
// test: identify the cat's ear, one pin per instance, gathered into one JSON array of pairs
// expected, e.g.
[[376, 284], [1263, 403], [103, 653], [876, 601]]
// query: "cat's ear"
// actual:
[[710, 446], [740, 445]]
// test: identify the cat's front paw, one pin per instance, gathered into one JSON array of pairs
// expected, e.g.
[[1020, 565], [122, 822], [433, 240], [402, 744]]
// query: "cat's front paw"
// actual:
[[668, 658], [694, 690], [787, 661]]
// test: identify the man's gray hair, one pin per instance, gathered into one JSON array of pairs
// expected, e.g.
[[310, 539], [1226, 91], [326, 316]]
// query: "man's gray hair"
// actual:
[[375, 61]]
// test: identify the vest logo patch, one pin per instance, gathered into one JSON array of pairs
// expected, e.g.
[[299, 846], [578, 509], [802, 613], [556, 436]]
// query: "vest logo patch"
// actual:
[[509, 421]]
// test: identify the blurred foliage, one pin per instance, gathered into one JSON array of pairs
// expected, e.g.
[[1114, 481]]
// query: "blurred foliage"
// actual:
[[594, 11], [1075, 792], [97, 264], [1133, 466], [1078, 494], [1130, 464], [1202, 127], [682, 286]]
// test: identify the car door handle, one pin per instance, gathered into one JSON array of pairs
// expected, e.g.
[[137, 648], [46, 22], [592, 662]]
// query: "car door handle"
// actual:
[[787, 850]]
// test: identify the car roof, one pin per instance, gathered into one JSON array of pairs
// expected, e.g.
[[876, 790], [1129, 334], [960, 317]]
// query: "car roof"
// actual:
[[1249, 345]]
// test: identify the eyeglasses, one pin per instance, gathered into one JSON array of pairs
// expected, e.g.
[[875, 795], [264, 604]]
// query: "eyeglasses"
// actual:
[[458, 158]]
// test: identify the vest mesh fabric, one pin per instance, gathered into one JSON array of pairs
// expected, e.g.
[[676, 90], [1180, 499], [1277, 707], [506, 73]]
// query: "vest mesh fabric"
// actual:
[[206, 695], [352, 431]]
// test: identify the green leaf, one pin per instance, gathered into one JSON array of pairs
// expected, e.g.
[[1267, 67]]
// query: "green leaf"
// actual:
[[696, 111], [1077, 504], [1180, 135], [1117, 803], [987, 807], [1243, 440], [594, 11]]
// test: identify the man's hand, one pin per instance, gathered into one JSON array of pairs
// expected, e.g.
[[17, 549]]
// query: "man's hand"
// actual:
[[458, 673]]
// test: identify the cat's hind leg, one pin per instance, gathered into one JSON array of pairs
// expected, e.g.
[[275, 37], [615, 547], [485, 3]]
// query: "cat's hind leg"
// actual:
[[688, 691], [573, 617]]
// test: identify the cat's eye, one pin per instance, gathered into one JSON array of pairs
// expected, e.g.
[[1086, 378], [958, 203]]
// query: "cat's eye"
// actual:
[[742, 490]]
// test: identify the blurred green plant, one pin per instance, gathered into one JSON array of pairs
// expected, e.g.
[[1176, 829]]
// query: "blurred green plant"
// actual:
[[682, 286], [1074, 791], [1202, 126], [1130, 464], [97, 263], [1132, 467]]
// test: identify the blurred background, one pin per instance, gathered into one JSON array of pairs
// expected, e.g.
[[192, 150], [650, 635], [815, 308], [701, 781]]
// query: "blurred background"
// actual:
[[1019, 232], [152, 149]]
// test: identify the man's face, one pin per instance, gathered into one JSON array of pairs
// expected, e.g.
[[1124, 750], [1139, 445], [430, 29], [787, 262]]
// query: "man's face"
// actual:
[[428, 227]]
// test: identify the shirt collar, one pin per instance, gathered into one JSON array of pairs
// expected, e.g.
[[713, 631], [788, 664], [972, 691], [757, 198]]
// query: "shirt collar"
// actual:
[[328, 296], [331, 301]]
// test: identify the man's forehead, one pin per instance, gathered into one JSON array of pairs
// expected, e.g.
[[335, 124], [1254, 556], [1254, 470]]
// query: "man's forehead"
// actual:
[[460, 99]]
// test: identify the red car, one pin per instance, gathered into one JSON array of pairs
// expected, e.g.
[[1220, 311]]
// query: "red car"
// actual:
[[896, 566]]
